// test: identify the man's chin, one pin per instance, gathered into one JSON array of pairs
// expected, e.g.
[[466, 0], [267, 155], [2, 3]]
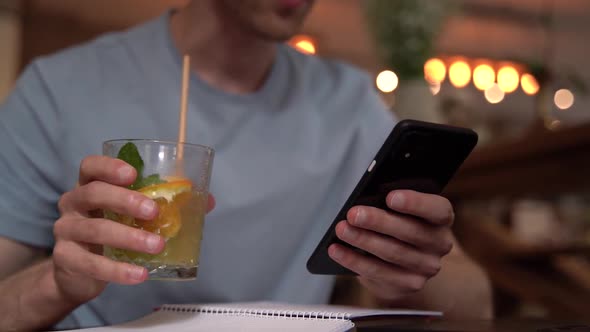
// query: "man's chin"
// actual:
[[279, 34], [280, 38]]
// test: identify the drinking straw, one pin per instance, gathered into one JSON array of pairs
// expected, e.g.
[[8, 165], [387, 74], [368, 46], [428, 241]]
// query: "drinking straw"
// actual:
[[186, 64]]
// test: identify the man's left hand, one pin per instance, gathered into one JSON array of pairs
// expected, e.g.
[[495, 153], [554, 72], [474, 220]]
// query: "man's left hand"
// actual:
[[408, 242]]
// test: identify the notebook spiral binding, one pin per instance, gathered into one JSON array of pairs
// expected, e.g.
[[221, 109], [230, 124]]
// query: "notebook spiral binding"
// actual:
[[257, 312]]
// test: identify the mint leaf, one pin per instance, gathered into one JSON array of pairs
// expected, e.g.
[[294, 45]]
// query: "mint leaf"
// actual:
[[130, 155], [149, 181]]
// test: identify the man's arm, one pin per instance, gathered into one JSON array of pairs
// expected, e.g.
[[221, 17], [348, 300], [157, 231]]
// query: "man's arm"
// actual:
[[41, 295], [26, 300], [414, 261], [16, 256], [31, 300], [461, 290]]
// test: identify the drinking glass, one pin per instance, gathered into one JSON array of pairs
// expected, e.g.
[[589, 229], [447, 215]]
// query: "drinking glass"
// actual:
[[176, 176]]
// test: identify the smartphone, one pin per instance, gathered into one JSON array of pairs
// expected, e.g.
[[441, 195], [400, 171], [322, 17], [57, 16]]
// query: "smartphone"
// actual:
[[416, 155]]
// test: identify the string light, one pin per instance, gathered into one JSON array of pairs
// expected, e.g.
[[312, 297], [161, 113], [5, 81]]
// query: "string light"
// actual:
[[494, 84], [563, 99], [435, 71], [483, 77], [460, 74], [508, 79], [494, 94], [387, 81], [529, 84]]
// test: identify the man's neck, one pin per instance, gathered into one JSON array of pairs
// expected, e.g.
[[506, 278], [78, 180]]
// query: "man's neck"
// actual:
[[223, 55]]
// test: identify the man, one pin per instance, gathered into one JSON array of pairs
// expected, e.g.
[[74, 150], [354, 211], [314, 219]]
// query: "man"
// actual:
[[292, 135]]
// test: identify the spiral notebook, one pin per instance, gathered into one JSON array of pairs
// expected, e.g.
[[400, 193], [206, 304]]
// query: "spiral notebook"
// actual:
[[260, 316]]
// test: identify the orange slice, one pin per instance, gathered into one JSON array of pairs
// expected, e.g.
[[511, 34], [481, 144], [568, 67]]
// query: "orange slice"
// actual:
[[170, 197], [168, 189]]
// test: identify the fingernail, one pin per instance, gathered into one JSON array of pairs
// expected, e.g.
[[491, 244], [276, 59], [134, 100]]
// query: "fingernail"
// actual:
[[125, 172], [152, 243], [136, 273], [360, 217], [397, 200], [335, 253], [147, 207], [349, 233]]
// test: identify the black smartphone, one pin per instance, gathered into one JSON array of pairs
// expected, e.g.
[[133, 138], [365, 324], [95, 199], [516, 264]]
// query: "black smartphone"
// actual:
[[416, 155]]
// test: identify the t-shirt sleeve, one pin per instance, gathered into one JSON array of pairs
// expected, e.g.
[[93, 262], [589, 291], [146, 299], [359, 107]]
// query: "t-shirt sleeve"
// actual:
[[29, 161], [376, 119]]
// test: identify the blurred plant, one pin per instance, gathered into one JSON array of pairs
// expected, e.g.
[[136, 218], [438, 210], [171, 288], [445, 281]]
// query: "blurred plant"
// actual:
[[405, 31]]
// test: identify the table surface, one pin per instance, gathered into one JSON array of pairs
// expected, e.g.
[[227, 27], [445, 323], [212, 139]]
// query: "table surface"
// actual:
[[512, 325]]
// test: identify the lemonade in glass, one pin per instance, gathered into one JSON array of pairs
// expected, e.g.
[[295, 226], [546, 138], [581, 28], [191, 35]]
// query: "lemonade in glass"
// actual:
[[176, 176]]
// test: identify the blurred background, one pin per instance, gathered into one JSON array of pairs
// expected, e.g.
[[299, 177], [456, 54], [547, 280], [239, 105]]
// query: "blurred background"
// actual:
[[518, 72]]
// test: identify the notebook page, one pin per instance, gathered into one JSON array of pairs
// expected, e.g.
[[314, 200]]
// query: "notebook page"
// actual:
[[204, 322]]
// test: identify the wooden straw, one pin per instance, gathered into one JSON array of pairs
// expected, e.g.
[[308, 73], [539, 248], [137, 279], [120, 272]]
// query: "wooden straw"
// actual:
[[186, 64]]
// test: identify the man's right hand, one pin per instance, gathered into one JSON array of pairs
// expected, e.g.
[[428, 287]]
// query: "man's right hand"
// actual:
[[80, 271], [77, 272]]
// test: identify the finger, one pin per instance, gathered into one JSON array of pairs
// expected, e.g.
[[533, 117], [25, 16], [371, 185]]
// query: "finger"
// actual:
[[433, 208], [107, 169], [101, 195], [415, 232], [211, 203], [108, 232], [375, 269], [389, 249], [74, 257]]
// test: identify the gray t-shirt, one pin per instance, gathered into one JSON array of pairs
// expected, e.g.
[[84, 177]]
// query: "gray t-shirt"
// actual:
[[287, 156]]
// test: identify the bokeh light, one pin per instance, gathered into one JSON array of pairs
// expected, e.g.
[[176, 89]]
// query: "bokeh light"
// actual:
[[460, 74], [435, 71], [494, 94], [508, 79], [529, 84], [552, 123], [434, 88], [304, 44], [563, 99], [484, 77], [387, 81]]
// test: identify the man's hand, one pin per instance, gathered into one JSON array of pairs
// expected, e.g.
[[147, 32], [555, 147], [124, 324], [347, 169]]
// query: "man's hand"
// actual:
[[409, 242], [80, 271], [41, 295]]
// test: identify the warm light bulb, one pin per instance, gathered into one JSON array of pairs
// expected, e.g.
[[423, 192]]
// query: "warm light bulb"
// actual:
[[529, 84], [484, 77], [508, 79], [563, 99], [435, 71], [304, 44], [494, 94], [387, 81], [460, 74]]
